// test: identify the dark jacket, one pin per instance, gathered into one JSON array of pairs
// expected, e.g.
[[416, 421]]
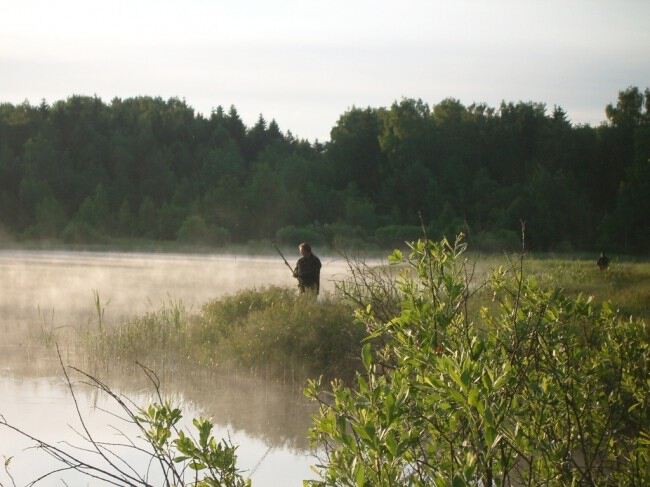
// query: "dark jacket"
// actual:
[[307, 272]]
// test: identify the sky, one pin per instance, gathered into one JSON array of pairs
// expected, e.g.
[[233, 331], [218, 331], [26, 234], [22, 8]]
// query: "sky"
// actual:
[[304, 63]]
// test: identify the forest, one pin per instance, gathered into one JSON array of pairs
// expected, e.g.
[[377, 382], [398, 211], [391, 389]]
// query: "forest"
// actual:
[[86, 171]]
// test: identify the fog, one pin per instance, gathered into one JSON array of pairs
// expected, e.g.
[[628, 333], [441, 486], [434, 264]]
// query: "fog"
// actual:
[[51, 293], [129, 283]]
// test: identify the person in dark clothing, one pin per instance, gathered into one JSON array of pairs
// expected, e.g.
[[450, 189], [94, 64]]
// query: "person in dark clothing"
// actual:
[[307, 270], [602, 262]]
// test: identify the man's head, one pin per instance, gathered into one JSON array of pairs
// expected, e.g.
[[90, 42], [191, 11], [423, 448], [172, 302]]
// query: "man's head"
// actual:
[[305, 249]]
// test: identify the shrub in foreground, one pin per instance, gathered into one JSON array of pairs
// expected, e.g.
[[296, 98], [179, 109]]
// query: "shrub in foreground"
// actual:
[[538, 389]]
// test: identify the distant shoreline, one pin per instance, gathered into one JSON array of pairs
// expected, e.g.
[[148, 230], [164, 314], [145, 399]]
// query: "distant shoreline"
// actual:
[[265, 248]]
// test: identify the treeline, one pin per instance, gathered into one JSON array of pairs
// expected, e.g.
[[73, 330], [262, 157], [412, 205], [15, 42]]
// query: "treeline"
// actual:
[[82, 170]]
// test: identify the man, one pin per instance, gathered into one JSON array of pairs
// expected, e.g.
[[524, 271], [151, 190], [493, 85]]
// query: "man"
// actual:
[[603, 262], [307, 270]]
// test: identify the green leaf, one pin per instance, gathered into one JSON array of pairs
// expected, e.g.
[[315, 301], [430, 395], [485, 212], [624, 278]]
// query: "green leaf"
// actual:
[[205, 428], [363, 385], [458, 481], [396, 257], [472, 397], [465, 378], [490, 435], [496, 440], [391, 444], [389, 407], [477, 349], [488, 417], [366, 356], [360, 475], [457, 396]]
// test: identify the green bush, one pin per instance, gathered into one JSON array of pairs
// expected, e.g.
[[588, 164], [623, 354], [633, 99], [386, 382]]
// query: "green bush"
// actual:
[[50, 219], [195, 230], [342, 236], [273, 331], [279, 332], [81, 232], [535, 389]]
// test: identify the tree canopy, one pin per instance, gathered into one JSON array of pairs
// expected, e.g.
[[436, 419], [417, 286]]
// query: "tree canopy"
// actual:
[[84, 170]]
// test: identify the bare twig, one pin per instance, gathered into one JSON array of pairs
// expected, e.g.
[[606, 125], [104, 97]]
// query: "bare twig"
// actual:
[[89, 436]]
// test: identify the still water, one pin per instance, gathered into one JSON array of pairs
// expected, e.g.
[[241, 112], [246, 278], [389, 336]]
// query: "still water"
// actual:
[[46, 293]]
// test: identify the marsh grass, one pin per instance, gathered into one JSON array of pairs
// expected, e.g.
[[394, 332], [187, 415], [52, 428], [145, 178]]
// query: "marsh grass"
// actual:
[[270, 332], [100, 308], [626, 285], [46, 332], [274, 333]]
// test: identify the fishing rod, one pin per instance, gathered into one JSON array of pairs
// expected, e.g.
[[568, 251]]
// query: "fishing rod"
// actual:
[[282, 255]]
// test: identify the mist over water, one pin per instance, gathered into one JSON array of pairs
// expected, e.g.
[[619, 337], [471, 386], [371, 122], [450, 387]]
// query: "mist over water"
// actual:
[[51, 294], [131, 283]]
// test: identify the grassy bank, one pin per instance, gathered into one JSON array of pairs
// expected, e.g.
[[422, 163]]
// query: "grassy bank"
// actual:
[[270, 332], [626, 285]]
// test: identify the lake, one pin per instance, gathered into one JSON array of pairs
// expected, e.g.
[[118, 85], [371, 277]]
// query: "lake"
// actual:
[[51, 294]]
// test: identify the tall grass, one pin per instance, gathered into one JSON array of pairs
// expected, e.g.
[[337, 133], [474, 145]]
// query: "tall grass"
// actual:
[[271, 332], [625, 284]]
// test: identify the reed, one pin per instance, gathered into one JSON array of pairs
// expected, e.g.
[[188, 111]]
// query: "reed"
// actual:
[[270, 331]]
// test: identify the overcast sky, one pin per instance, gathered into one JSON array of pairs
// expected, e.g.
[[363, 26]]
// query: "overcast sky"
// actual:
[[304, 62]]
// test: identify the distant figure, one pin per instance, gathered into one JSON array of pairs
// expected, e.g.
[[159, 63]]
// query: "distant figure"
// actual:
[[307, 270], [602, 262]]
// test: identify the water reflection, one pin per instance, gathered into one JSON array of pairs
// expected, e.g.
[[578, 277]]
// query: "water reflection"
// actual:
[[275, 413], [47, 296], [43, 407]]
